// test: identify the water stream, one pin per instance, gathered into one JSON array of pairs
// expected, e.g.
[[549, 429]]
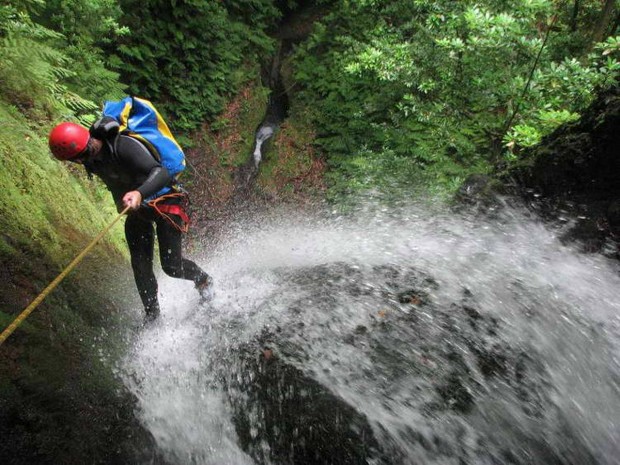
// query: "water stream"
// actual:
[[275, 112], [394, 335]]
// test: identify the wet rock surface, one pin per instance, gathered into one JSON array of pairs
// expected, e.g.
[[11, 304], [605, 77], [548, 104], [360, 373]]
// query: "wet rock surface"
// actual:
[[441, 357], [300, 420], [581, 157], [573, 177]]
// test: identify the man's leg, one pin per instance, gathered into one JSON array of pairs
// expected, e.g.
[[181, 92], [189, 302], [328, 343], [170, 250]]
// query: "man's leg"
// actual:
[[140, 239], [172, 261]]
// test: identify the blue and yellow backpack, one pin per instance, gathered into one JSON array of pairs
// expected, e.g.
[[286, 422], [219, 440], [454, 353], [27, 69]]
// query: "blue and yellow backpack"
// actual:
[[138, 118]]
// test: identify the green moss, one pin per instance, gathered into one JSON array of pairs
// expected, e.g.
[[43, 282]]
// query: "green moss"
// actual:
[[41, 198], [231, 135], [49, 211], [289, 157]]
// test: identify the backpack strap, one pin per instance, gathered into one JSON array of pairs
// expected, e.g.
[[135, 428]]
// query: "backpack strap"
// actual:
[[104, 128]]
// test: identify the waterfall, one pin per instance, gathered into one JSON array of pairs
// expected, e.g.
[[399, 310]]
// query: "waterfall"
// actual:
[[276, 112], [394, 334]]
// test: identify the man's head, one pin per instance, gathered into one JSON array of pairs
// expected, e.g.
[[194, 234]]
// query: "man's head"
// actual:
[[70, 141]]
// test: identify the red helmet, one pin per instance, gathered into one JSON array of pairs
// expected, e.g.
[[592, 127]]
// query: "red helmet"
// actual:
[[68, 140]]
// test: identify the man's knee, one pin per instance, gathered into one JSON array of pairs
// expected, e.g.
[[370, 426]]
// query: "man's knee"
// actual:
[[172, 269]]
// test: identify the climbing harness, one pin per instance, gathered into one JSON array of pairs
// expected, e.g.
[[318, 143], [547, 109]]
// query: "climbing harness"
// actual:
[[179, 208], [28, 310]]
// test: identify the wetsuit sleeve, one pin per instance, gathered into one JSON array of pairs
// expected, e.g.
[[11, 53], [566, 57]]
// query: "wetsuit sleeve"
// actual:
[[151, 174]]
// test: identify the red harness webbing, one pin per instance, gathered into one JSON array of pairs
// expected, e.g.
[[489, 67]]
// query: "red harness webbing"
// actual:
[[165, 210], [174, 210]]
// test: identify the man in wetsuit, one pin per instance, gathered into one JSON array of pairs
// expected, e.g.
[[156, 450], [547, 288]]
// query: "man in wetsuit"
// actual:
[[132, 174]]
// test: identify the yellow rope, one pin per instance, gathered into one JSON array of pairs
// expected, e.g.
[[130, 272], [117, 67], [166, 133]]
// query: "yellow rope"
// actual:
[[28, 310]]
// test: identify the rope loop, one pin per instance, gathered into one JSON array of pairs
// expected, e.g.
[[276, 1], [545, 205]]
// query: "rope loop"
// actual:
[[174, 209]]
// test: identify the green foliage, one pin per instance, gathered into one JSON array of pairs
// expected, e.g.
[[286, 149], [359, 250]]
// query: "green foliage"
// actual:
[[561, 91], [29, 67], [35, 207], [39, 78], [87, 26], [431, 85], [186, 55]]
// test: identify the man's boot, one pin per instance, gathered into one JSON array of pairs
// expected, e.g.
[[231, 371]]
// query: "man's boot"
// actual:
[[205, 289]]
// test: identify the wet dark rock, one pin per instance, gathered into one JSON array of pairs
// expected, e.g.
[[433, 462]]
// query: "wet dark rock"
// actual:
[[590, 232], [286, 417], [441, 357], [492, 362], [530, 386], [473, 314], [477, 188], [413, 297], [613, 216], [361, 329], [49, 427], [581, 156], [572, 177], [59, 401], [455, 395]]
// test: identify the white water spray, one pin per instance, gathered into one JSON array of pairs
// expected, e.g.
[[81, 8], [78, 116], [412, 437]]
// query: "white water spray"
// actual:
[[555, 308]]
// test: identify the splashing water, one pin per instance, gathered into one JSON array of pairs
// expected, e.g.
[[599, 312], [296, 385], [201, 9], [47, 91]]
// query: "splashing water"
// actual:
[[398, 335]]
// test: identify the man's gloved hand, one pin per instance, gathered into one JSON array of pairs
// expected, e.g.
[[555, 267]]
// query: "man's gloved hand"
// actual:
[[132, 199]]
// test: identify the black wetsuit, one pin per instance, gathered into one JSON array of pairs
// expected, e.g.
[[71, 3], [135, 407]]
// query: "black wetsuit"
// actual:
[[124, 164]]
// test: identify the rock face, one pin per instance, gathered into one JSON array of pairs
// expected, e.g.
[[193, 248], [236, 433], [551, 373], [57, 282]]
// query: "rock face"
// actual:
[[295, 414], [434, 358], [574, 176], [581, 159]]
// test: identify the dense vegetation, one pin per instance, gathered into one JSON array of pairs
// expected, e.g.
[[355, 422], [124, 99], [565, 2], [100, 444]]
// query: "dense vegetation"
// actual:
[[192, 56], [430, 91], [424, 90]]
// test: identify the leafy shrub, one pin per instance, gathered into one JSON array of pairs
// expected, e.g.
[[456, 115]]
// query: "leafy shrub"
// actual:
[[40, 78], [446, 86], [190, 56]]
